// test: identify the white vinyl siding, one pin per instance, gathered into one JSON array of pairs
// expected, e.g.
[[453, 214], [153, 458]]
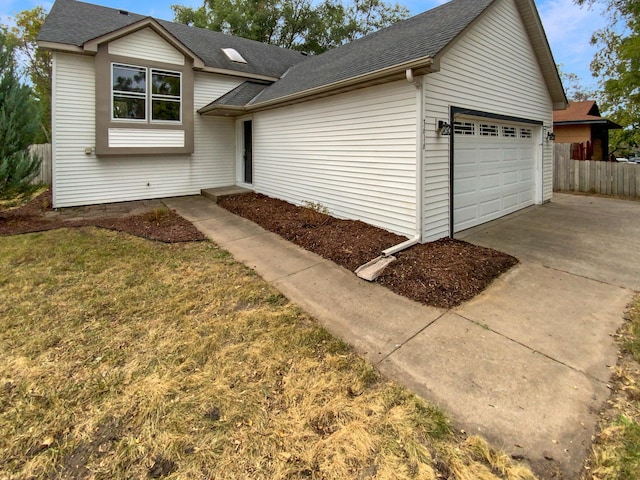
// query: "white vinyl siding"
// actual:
[[145, 137], [81, 179], [354, 153], [492, 68], [147, 45]]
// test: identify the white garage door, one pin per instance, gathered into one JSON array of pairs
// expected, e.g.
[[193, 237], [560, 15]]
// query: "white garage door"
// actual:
[[494, 168]]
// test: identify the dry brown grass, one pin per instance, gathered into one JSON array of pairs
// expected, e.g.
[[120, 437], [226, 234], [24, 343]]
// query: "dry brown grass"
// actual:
[[125, 358], [616, 450]]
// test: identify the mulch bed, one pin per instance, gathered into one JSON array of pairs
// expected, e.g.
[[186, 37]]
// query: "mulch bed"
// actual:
[[443, 274], [37, 215]]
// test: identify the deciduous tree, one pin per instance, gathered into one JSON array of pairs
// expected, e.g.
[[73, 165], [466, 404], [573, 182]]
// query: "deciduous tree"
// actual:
[[295, 24], [617, 65], [36, 62]]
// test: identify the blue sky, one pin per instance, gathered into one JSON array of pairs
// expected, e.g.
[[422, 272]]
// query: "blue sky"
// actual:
[[568, 26]]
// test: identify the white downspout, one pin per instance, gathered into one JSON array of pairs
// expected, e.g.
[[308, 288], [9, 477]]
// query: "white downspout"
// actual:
[[371, 270], [419, 168]]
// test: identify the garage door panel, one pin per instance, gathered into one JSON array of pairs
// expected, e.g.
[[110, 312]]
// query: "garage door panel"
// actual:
[[493, 175], [511, 178], [526, 176], [489, 208], [490, 181], [511, 201], [466, 158], [467, 185], [467, 215]]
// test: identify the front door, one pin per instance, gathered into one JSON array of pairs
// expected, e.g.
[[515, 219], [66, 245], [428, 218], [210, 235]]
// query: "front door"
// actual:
[[247, 151]]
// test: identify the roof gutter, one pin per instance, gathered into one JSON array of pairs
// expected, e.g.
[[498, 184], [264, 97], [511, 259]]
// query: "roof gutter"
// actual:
[[609, 123], [419, 66], [227, 110]]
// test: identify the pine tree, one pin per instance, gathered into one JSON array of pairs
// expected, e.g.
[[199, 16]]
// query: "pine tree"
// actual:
[[19, 124]]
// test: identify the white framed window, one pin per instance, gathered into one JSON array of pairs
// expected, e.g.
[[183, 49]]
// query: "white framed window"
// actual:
[[142, 94]]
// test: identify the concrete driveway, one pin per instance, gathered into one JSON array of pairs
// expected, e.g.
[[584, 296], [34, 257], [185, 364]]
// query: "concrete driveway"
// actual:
[[593, 237], [545, 326], [525, 364]]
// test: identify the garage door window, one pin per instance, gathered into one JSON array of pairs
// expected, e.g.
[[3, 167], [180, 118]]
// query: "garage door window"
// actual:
[[488, 130], [509, 132], [464, 128], [525, 133]]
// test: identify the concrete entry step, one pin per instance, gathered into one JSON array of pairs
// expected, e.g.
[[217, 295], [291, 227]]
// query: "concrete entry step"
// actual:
[[216, 194]]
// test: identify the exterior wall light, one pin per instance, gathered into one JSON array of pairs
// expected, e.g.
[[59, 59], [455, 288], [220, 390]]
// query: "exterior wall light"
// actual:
[[444, 128], [551, 136]]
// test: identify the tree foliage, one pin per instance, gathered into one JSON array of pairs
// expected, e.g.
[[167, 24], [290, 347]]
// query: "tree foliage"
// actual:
[[19, 123], [617, 65], [295, 24], [37, 63], [576, 92]]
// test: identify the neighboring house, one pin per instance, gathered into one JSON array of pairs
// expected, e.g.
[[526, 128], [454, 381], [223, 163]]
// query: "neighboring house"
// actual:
[[582, 124], [145, 108]]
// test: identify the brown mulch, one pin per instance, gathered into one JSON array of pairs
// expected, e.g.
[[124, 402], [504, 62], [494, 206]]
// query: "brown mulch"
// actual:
[[443, 274], [163, 225]]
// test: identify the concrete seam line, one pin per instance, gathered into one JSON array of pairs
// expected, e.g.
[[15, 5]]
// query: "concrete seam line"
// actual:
[[533, 350], [291, 274], [398, 347], [630, 290]]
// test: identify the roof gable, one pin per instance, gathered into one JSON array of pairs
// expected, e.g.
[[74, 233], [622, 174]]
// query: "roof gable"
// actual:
[[83, 25], [419, 37]]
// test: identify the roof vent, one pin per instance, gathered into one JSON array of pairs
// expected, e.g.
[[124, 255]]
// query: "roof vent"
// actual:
[[123, 12], [233, 55]]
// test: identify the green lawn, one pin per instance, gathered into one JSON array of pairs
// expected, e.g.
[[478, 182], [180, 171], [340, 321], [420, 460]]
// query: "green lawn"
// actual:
[[126, 358]]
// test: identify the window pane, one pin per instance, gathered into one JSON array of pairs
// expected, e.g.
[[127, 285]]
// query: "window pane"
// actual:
[[129, 79], [165, 110], [165, 83], [129, 107]]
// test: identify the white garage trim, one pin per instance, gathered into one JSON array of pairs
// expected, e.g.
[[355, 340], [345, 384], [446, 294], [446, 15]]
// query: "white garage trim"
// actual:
[[495, 167]]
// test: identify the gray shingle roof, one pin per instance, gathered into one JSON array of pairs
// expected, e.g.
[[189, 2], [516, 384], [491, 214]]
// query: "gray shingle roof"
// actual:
[[239, 96], [425, 35], [75, 23], [420, 36]]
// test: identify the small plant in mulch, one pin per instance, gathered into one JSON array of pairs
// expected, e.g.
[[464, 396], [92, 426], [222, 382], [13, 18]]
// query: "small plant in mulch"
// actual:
[[314, 214], [157, 215]]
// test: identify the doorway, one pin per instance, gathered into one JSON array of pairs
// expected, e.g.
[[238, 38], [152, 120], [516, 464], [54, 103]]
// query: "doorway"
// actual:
[[247, 151]]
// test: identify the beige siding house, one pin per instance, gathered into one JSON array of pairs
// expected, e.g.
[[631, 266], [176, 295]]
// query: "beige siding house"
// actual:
[[425, 128]]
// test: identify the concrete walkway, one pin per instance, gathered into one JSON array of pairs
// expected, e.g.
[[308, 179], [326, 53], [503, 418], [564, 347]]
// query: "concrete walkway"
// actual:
[[524, 364]]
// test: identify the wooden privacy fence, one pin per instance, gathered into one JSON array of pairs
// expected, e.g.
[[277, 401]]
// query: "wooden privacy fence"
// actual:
[[593, 176], [44, 151]]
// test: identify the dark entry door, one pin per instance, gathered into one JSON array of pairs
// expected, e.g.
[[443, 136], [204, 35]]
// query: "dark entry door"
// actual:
[[248, 150]]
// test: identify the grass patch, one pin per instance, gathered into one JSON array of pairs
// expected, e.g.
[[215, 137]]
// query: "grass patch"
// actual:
[[126, 358], [616, 450], [22, 198]]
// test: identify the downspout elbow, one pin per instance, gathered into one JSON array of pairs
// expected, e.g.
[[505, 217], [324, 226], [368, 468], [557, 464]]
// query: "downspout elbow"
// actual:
[[410, 78], [401, 246]]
